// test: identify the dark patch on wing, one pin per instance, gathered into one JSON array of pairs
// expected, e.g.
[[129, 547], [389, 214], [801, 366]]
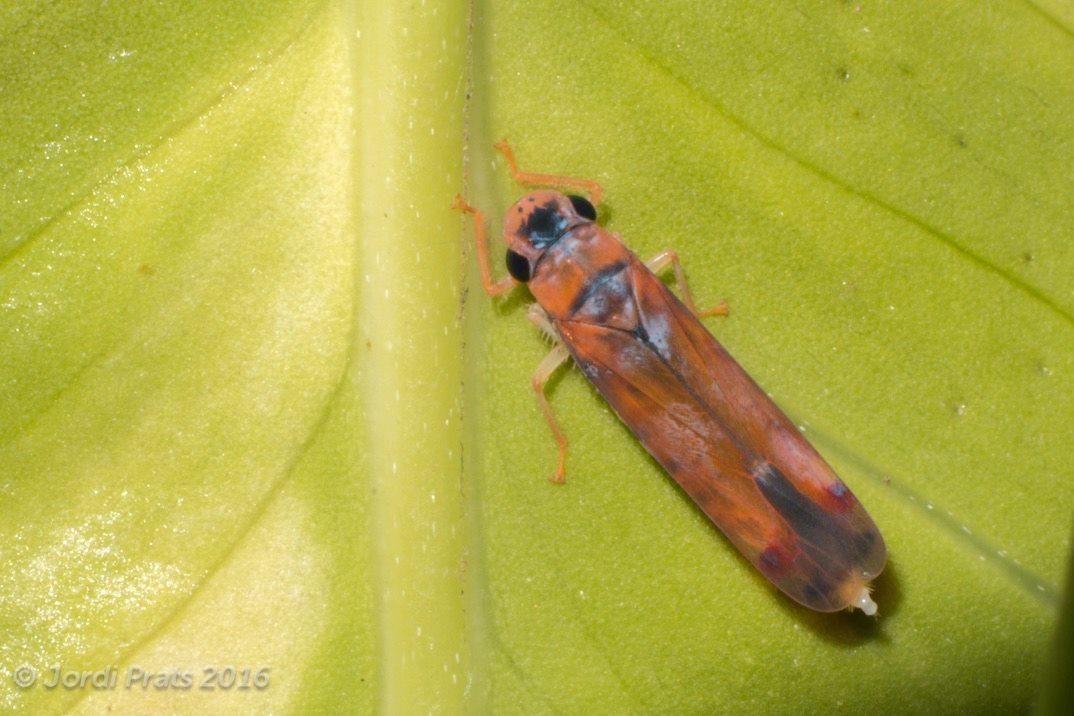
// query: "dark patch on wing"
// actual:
[[823, 533]]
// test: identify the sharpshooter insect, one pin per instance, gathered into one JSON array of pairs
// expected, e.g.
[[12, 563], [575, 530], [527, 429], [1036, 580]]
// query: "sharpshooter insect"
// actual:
[[683, 396]]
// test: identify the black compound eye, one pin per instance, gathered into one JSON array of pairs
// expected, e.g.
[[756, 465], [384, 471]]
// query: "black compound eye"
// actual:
[[518, 266], [583, 207]]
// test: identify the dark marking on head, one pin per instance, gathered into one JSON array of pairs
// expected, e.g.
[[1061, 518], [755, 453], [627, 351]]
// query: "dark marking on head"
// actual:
[[543, 226]]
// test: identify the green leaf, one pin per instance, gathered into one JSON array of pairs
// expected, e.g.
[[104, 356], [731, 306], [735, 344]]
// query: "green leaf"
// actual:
[[882, 195], [1057, 693], [183, 480], [256, 410]]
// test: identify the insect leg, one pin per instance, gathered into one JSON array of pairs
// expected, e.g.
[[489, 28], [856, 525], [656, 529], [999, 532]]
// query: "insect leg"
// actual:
[[555, 358], [492, 289], [660, 262], [595, 190]]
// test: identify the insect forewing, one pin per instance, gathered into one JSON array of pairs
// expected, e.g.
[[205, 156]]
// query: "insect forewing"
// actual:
[[727, 444]]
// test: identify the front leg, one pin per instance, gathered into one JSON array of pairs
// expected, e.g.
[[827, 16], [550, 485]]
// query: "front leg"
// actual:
[[492, 288]]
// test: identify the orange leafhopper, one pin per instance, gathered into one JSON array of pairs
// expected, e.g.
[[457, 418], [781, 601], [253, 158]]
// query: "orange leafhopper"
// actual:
[[696, 411]]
